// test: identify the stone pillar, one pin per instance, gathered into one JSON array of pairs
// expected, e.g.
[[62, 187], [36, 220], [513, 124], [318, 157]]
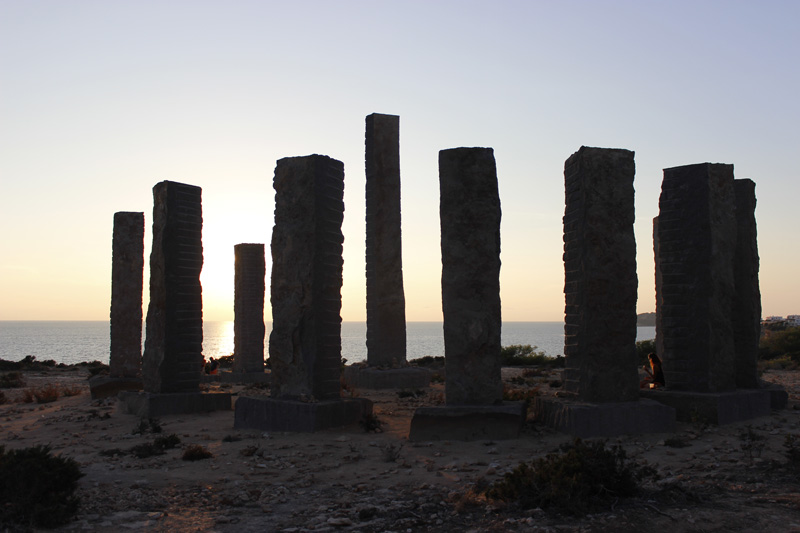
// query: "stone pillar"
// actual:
[[127, 269], [600, 276], [305, 343], [697, 242], [659, 326], [248, 308], [174, 341], [386, 305], [469, 210], [747, 298]]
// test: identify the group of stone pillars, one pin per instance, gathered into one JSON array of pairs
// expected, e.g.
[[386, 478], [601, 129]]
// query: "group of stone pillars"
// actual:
[[700, 296]]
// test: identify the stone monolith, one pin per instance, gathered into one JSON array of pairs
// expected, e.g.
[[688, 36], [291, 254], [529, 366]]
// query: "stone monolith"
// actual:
[[248, 308], [386, 306], [747, 299], [600, 276], [127, 282], [305, 343], [174, 336], [697, 245], [469, 209]]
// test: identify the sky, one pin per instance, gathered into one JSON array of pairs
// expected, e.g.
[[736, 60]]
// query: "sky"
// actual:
[[101, 100]]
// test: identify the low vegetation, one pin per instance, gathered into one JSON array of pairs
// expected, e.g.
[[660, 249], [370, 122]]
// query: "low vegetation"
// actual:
[[37, 489], [527, 355], [195, 452], [780, 347], [584, 477]]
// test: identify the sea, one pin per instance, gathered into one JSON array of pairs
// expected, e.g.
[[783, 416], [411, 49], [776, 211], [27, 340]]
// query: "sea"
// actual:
[[72, 342]]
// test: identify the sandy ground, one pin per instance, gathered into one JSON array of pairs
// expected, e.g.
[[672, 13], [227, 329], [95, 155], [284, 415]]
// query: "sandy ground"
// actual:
[[351, 480]]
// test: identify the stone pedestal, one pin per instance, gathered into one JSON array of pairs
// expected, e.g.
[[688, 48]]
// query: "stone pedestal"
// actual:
[[153, 405], [611, 419], [386, 306], [468, 422], [389, 378], [275, 414], [248, 307], [714, 407], [226, 376]]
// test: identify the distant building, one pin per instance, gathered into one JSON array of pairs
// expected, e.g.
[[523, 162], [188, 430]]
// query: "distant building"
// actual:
[[793, 321]]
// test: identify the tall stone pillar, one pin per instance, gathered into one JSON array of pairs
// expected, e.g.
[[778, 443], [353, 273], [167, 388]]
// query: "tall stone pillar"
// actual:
[[305, 346], [659, 326], [305, 343], [174, 339], [469, 209], [747, 298], [697, 244], [248, 308], [600, 276], [386, 305], [127, 269]]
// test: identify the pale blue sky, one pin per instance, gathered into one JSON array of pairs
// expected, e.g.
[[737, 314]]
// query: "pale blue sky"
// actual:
[[100, 100]]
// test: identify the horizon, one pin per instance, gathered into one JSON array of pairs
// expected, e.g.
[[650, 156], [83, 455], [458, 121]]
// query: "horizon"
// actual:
[[101, 101]]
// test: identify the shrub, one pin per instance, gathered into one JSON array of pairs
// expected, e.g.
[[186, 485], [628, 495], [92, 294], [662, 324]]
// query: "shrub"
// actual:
[[371, 423], [12, 380], [522, 355], [775, 344], [583, 477], [153, 425], [195, 452], [37, 488], [48, 393], [71, 390]]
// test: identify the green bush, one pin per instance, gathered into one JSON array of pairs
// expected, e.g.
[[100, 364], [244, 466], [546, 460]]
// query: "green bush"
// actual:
[[777, 344], [37, 488], [526, 355], [12, 380], [582, 478]]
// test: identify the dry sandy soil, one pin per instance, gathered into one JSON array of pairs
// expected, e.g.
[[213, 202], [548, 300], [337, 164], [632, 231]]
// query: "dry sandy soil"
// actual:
[[351, 480]]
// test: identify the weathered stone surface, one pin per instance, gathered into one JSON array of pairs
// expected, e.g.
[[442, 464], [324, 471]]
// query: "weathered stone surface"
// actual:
[[276, 414], [659, 325], [386, 305], [469, 209], [696, 243], [174, 340], [127, 282], [108, 386], [590, 420], [746, 315], [468, 422], [248, 308], [305, 343], [151, 405], [600, 276], [714, 407]]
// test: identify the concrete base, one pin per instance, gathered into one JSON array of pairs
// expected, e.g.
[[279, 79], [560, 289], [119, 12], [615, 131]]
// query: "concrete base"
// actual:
[[226, 376], [587, 420], [391, 378], [778, 397], [714, 407], [152, 405], [107, 386], [273, 414], [468, 422]]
